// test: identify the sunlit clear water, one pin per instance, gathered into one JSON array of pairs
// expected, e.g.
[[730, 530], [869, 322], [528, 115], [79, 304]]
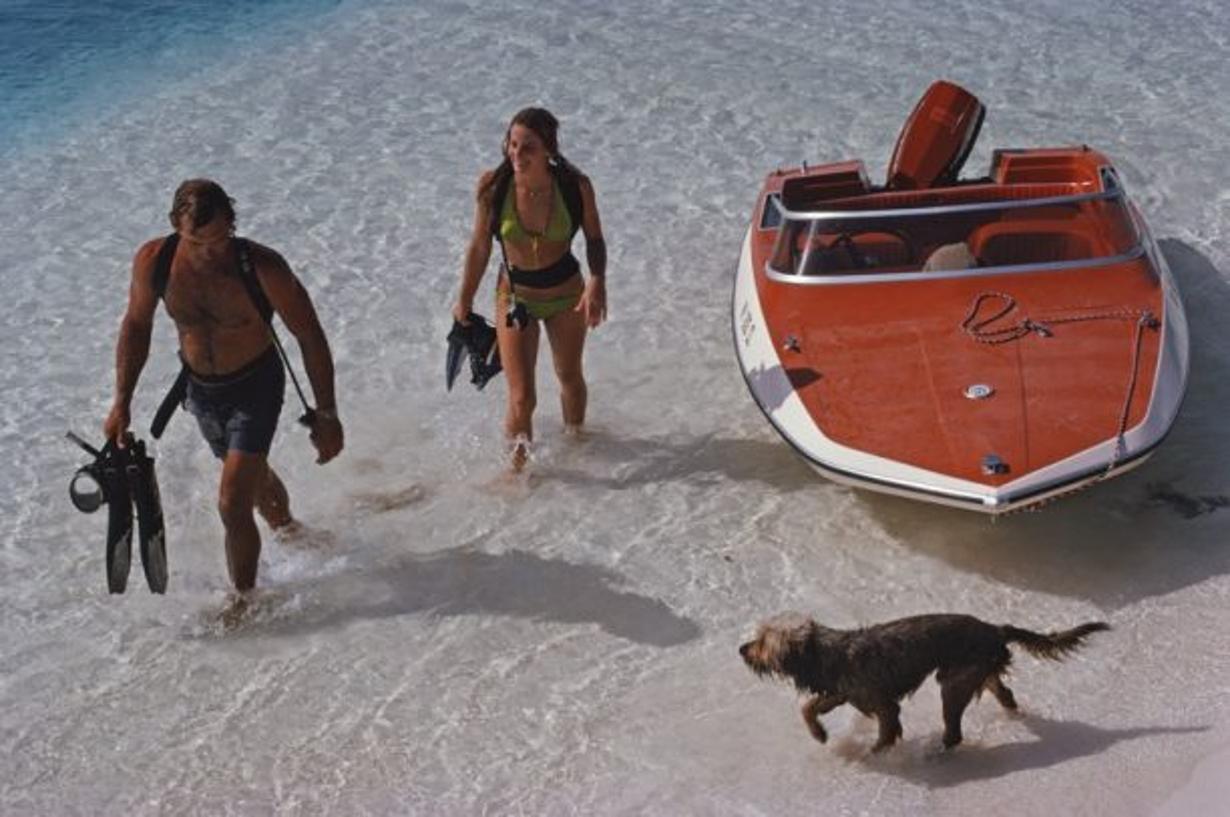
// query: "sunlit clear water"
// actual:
[[444, 641], [64, 63]]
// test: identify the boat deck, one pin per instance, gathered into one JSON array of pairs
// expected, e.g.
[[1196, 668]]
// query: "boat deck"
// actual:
[[884, 367]]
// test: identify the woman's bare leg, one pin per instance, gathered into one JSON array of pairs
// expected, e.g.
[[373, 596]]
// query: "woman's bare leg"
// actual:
[[518, 354], [566, 335]]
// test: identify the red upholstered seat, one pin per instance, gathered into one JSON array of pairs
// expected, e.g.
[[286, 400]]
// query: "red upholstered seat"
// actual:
[[1005, 243]]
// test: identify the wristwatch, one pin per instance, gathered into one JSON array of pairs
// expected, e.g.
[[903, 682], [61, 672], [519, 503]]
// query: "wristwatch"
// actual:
[[327, 413]]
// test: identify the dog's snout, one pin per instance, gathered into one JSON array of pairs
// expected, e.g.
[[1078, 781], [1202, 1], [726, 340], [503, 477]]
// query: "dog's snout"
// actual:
[[743, 648]]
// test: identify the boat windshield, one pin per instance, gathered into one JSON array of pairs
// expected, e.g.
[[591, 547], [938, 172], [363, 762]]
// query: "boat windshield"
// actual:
[[879, 238]]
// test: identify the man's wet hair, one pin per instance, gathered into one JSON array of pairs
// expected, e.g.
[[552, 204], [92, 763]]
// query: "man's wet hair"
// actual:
[[201, 200]]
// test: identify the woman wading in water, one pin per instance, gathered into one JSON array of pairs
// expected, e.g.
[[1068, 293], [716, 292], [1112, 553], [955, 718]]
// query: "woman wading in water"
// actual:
[[533, 204]]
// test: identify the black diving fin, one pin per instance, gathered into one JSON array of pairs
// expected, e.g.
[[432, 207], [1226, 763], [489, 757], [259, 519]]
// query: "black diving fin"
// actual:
[[119, 478], [477, 341], [456, 353], [143, 484]]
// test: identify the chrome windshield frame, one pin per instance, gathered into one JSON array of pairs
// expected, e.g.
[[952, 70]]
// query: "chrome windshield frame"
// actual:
[[1135, 251], [942, 209]]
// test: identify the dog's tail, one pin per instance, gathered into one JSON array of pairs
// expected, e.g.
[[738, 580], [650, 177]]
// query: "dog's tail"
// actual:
[[1054, 646]]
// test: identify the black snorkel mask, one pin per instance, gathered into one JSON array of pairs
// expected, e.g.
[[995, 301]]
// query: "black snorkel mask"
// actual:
[[517, 317], [87, 490]]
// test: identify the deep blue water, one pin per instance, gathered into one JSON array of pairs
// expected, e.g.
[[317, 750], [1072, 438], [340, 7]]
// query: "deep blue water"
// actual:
[[67, 61]]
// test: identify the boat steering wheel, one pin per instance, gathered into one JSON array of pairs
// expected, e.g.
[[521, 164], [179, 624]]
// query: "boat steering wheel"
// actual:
[[846, 242], [859, 259]]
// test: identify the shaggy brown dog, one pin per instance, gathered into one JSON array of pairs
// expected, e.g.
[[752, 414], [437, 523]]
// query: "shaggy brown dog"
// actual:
[[873, 668]]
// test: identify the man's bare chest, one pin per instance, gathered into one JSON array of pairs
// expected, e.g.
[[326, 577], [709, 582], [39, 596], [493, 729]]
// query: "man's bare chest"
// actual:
[[203, 297]]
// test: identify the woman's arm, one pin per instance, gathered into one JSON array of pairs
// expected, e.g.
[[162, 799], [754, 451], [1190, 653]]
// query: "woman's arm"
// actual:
[[593, 302]]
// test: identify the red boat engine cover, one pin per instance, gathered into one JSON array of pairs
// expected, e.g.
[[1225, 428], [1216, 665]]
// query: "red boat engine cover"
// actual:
[[936, 139]]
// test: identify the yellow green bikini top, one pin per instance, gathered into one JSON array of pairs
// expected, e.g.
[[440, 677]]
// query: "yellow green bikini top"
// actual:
[[558, 229]]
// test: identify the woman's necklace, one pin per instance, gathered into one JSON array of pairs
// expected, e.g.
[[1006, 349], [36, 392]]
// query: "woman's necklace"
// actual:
[[535, 236]]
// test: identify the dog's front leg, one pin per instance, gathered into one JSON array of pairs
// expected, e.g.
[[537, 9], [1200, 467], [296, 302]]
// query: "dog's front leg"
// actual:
[[816, 706], [889, 715]]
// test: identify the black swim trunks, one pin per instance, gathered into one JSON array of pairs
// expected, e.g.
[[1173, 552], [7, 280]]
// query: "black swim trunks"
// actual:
[[239, 411]]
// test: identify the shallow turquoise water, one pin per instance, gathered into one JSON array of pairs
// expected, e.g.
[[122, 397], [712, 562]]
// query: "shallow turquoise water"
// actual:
[[63, 62]]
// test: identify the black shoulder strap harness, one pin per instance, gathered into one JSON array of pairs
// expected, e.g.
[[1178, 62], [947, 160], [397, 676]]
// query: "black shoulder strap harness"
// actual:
[[247, 274]]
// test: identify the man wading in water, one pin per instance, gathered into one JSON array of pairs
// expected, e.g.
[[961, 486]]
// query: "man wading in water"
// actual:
[[235, 377]]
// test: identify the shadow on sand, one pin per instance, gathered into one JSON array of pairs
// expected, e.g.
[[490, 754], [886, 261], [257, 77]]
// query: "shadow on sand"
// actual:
[[466, 581], [1143, 534], [1057, 742]]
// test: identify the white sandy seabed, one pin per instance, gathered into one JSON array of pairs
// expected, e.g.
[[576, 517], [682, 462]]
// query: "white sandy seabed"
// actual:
[[446, 642]]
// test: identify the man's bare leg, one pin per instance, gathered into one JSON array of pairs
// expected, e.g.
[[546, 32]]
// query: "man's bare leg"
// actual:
[[273, 502], [243, 477]]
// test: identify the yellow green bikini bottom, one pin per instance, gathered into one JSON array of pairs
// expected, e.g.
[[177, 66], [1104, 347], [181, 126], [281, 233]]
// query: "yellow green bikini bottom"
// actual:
[[541, 310]]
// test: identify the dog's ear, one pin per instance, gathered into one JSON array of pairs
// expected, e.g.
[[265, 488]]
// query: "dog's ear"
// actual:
[[797, 648]]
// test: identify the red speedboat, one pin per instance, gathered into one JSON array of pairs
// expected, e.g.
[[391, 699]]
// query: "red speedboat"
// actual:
[[988, 343]]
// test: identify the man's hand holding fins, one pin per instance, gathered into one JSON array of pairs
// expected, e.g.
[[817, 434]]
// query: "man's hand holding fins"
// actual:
[[115, 427]]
